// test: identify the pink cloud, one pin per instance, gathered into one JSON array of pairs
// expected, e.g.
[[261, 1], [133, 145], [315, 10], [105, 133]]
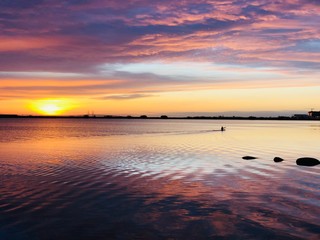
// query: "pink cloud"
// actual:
[[29, 43], [66, 36]]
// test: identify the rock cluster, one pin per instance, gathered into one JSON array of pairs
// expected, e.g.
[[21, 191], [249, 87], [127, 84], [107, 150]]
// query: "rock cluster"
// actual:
[[304, 161]]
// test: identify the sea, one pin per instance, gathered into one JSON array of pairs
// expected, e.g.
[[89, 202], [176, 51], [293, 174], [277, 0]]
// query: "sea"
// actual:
[[171, 179]]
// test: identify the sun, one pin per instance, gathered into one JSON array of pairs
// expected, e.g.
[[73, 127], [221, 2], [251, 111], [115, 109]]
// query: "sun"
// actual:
[[50, 106]]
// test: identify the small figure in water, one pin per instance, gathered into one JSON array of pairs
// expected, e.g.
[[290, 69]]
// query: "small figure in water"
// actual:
[[223, 129]]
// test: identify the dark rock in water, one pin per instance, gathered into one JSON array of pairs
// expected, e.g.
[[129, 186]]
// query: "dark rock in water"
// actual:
[[248, 158], [307, 161], [278, 159]]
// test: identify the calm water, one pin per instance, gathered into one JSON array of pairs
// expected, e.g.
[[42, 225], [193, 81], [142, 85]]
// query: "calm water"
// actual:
[[157, 179]]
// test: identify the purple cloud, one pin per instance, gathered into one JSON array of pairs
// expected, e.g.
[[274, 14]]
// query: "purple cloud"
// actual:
[[81, 36]]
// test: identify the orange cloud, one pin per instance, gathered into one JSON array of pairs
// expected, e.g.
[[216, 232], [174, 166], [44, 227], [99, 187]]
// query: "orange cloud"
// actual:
[[27, 43]]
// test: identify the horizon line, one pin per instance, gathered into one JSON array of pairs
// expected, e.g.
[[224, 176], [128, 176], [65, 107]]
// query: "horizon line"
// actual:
[[143, 116]]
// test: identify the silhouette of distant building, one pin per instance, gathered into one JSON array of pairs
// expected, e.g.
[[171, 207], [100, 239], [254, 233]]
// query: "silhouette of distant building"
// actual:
[[314, 114], [301, 116]]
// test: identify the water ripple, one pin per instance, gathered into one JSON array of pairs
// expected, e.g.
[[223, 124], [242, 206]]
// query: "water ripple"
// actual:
[[157, 186]]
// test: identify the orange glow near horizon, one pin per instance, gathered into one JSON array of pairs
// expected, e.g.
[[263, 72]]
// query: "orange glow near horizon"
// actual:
[[50, 106], [196, 57], [199, 101]]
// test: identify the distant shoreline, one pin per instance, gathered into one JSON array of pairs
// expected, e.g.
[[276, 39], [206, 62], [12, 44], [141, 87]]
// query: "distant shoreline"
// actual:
[[163, 117]]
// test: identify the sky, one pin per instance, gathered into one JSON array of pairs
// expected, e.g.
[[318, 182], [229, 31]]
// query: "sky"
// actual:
[[157, 57]]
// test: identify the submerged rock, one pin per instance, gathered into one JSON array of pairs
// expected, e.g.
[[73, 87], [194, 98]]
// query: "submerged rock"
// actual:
[[248, 158], [307, 161], [278, 159]]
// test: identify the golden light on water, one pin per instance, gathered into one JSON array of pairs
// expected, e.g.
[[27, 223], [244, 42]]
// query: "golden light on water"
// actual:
[[51, 106]]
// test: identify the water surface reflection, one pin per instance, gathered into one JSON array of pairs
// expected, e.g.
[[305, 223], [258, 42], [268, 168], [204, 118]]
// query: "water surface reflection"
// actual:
[[180, 181]]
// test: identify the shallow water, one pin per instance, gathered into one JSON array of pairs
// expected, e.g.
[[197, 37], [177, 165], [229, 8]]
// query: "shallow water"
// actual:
[[157, 179]]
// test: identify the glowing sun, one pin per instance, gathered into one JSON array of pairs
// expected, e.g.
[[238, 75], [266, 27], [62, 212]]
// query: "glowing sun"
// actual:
[[50, 106]]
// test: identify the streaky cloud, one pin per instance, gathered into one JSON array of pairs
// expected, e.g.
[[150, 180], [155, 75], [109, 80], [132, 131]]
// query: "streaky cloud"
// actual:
[[124, 96], [115, 49]]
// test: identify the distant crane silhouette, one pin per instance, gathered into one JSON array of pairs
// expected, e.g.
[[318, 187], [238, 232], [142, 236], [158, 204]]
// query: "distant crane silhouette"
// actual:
[[90, 114]]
